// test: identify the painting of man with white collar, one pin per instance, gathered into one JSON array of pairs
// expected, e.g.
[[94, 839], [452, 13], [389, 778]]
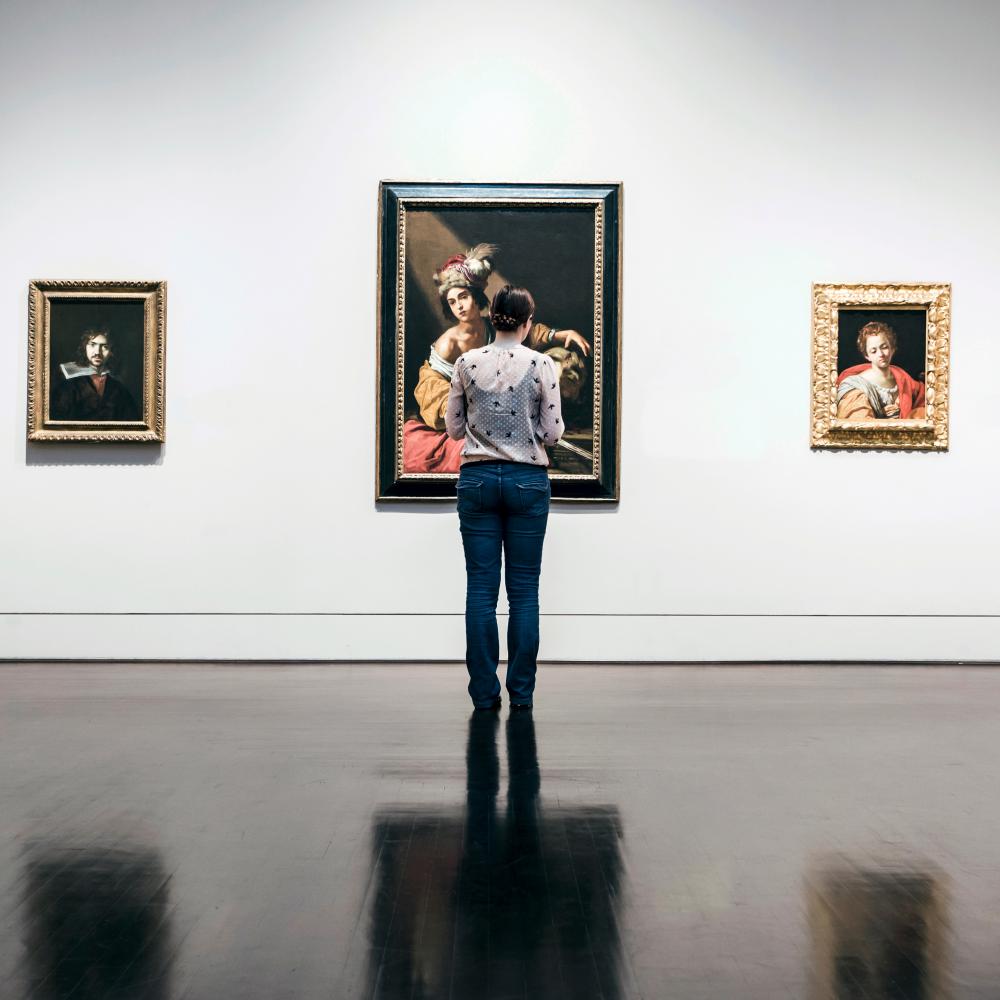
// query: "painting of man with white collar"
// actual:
[[87, 387]]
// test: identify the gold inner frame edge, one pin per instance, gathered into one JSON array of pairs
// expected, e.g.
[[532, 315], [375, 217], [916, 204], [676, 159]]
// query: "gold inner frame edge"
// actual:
[[400, 330]]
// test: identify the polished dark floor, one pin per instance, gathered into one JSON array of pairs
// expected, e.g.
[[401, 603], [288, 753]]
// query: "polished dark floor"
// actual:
[[347, 832]]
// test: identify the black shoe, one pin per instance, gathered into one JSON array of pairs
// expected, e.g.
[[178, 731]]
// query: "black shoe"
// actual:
[[490, 708], [520, 706]]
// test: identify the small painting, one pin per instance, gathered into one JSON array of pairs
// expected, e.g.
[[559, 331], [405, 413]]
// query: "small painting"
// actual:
[[96, 361], [880, 366]]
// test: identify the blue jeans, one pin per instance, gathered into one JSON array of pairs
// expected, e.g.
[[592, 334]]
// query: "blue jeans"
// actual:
[[502, 506]]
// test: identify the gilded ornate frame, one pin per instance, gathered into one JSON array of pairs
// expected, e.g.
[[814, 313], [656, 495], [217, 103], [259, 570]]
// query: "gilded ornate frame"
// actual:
[[395, 199], [827, 431], [151, 428]]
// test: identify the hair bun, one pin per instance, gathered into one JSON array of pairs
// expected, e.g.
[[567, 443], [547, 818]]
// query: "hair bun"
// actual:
[[511, 308], [503, 322]]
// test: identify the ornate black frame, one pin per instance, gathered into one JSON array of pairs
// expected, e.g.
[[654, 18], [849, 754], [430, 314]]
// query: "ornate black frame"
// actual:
[[390, 485]]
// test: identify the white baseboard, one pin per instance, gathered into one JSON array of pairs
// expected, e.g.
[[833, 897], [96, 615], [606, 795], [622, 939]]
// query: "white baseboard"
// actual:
[[573, 638]]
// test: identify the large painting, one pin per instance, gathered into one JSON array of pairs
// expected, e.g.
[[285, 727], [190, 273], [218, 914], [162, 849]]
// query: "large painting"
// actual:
[[445, 249], [880, 366], [96, 352]]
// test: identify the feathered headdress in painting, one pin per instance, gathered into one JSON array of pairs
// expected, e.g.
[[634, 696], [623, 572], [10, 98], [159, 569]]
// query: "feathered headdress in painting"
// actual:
[[466, 270]]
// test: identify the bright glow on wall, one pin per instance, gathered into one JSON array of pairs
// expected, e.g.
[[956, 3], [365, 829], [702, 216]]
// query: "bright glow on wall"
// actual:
[[235, 151]]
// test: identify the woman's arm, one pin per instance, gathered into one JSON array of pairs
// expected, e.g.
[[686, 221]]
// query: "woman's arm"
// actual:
[[543, 337], [550, 425], [454, 415], [570, 338]]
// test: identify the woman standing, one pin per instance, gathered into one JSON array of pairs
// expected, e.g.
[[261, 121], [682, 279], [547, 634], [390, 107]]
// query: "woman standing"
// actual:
[[504, 401]]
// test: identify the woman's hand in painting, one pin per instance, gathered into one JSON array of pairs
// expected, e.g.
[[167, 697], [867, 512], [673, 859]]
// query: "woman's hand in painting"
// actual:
[[570, 339]]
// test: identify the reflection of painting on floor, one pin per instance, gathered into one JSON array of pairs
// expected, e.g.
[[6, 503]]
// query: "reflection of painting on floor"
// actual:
[[97, 921], [877, 932], [520, 900]]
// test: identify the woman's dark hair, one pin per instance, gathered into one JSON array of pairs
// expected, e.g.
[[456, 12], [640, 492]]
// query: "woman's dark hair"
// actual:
[[87, 336], [478, 296], [511, 307]]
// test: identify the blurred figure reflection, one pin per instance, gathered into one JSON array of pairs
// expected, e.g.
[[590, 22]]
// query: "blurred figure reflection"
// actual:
[[878, 933], [523, 904], [96, 924]]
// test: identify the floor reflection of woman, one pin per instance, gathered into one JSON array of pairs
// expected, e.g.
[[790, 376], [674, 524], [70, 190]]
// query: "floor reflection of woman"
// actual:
[[477, 868], [536, 894], [878, 389], [503, 918], [461, 284]]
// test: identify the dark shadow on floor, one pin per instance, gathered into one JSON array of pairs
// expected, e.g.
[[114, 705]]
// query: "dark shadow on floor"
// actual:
[[519, 902]]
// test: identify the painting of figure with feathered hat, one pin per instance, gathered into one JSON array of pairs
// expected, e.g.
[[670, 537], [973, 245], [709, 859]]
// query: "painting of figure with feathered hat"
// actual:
[[443, 258], [461, 283]]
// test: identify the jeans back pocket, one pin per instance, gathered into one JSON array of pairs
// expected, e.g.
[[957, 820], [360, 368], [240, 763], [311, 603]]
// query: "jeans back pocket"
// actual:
[[534, 497], [470, 497]]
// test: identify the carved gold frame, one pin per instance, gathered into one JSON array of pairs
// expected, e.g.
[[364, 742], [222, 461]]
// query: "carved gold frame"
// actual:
[[827, 431], [151, 428]]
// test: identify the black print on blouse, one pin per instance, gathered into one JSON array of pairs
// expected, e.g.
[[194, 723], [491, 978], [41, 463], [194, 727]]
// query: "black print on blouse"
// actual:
[[510, 389], [473, 366], [496, 402], [545, 436], [557, 420], [532, 362], [552, 406], [473, 426], [553, 385], [512, 354], [513, 413], [537, 381], [508, 433], [473, 381], [489, 434], [486, 350]]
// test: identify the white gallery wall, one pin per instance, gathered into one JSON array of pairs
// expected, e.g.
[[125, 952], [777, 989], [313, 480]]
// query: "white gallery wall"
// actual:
[[235, 149]]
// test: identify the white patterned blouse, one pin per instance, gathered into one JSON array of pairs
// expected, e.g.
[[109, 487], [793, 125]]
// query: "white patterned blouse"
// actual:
[[505, 402]]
